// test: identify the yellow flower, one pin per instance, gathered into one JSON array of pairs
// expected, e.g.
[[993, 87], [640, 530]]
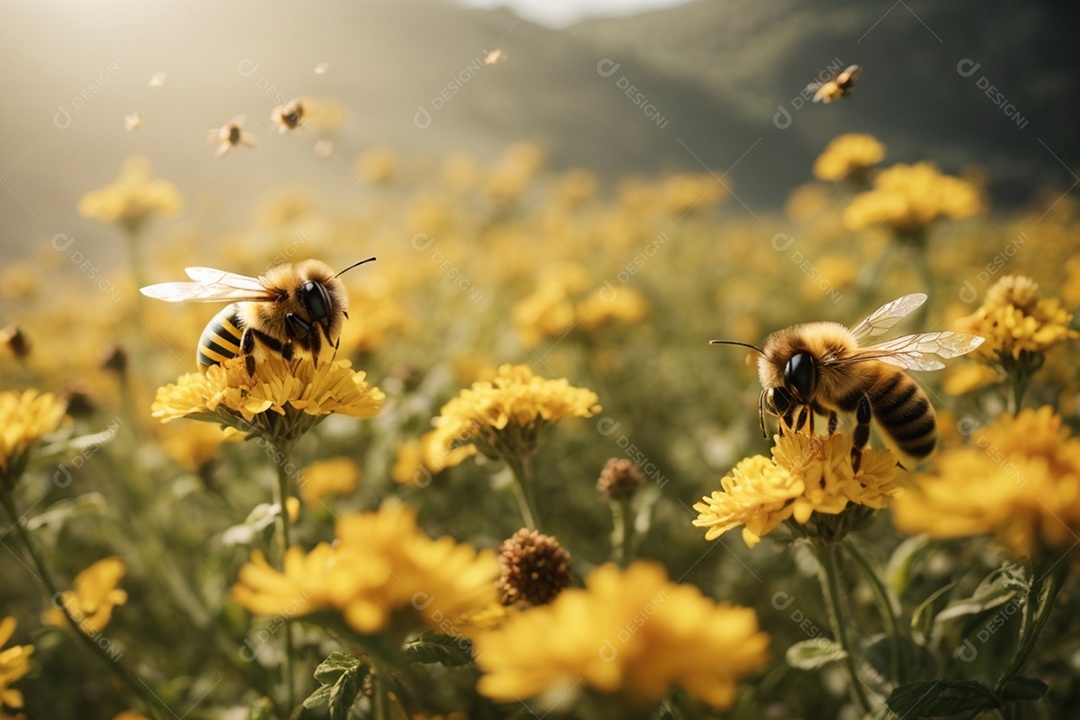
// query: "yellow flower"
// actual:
[[14, 664], [503, 417], [302, 588], [92, 601], [281, 401], [130, 715], [631, 633], [132, 199], [378, 165], [605, 306], [686, 192], [848, 157], [193, 446], [549, 312], [1018, 480], [908, 198], [1014, 318], [336, 476], [25, 418], [381, 565], [809, 476]]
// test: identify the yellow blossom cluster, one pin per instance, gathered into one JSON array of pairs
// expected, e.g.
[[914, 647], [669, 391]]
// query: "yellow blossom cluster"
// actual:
[[632, 633], [334, 476], [25, 418], [1018, 479], [282, 399], [908, 198], [1014, 318], [503, 416], [90, 604], [132, 198], [848, 157], [807, 474], [14, 664], [551, 311], [381, 564]]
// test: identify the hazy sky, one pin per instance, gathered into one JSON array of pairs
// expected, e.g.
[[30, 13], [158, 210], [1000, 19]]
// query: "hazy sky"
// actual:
[[556, 13]]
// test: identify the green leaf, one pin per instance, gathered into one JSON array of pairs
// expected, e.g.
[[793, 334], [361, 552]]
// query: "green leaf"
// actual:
[[1019, 689], [318, 698], [932, 698], [996, 589], [898, 570], [813, 654], [345, 691], [432, 647], [258, 520], [333, 667], [922, 619]]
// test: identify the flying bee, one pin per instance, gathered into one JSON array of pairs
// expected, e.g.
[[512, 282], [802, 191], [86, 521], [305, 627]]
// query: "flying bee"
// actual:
[[289, 305], [231, 134], [836, 87], [820, 368], [288, 116]]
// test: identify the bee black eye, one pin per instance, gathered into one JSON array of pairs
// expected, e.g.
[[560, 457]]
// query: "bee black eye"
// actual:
[[316, 300], [800, 375]]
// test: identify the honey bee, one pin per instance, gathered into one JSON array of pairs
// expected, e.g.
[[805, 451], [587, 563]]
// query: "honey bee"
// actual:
[[290, 305], [820, 368], [288, 116], [231, 134], [495, 57], [836, 87]]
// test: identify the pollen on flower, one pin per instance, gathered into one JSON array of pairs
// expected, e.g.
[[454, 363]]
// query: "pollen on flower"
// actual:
[[808, 477]]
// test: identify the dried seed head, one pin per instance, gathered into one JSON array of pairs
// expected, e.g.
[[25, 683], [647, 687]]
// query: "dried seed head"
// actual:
[[535, 569], [115, 359], [619, 479]]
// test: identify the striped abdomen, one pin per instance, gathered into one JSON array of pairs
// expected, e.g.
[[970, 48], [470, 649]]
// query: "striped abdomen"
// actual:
[[900, 408], [221, 338]]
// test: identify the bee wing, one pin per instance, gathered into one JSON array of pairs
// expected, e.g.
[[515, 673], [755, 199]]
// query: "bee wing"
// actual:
[[849, 75], [210, 285], [885, 317], [913, 351]]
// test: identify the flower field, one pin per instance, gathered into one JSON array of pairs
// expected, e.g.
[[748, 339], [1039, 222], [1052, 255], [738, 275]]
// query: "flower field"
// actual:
[[524, 484]]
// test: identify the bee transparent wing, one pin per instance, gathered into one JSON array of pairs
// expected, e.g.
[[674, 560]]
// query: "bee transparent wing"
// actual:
[[211, 286], [885, 317], [914, 351]]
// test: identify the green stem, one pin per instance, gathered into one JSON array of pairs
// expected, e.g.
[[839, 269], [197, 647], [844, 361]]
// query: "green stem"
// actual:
[[1044, 592], [523, 491], [830, 588], [622, 536], [151, 700], [281, 495], [893, 628]]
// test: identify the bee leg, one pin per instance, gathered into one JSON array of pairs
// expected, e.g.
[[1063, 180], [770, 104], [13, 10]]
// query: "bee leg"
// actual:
[[833, 422], [247, 347], [805, 418], [862, 431]]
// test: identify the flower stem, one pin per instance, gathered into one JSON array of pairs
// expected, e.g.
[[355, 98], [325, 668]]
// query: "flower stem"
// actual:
[[622, 536], [893, 628], [523, 491], [281, 495], [830, 588], [151, 700]]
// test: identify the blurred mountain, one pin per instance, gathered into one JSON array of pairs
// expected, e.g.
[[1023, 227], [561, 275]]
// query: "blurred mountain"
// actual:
[[689, 88]]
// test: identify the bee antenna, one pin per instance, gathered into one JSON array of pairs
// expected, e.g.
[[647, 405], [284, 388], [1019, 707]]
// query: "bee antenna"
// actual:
[[370, 259], [736, 342]]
